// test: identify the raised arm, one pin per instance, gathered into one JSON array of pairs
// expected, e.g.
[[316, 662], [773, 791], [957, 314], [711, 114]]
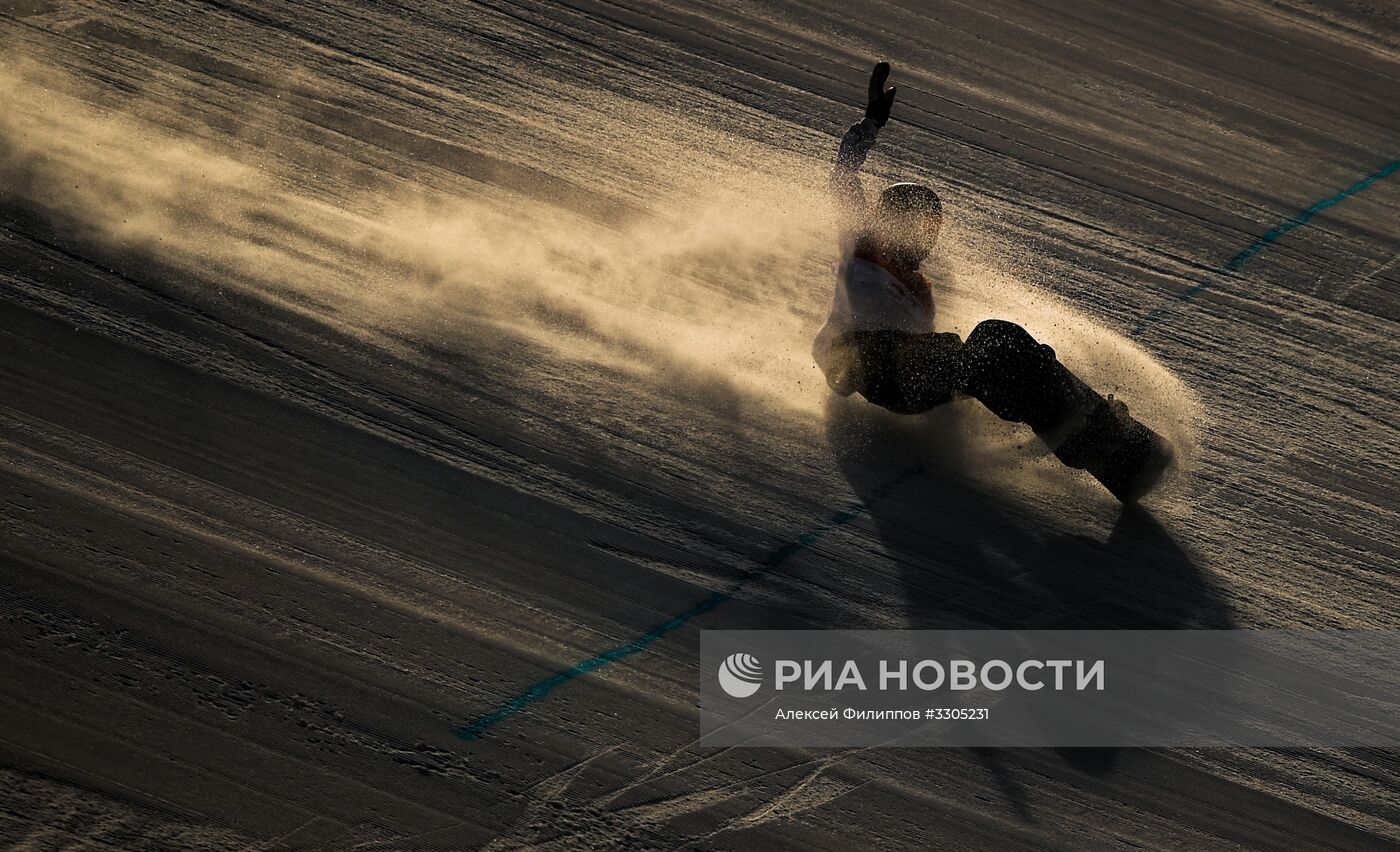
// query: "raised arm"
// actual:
[[855, 145]]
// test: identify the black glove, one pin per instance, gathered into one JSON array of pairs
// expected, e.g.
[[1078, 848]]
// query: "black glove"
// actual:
[[877, 107]]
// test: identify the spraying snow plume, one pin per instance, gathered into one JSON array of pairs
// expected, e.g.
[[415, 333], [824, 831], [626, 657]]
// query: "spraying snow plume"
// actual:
[[719, 276]]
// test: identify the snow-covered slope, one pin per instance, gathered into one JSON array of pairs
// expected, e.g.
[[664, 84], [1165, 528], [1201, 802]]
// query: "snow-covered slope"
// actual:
[[392, 391]]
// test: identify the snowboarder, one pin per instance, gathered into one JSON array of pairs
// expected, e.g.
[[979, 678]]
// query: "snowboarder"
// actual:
[[879, 341]]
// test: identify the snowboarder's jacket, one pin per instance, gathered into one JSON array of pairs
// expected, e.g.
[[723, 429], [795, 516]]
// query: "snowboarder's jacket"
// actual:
[[868, 341]]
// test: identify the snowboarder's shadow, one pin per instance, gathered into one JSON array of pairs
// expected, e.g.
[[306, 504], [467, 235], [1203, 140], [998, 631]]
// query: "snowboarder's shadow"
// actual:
[[973, 550]]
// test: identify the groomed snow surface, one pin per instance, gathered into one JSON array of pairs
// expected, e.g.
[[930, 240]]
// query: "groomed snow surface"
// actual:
[[390, 392]]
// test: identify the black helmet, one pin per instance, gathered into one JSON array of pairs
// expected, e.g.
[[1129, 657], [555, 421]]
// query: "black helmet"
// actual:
[[911, 198], [909, 218]]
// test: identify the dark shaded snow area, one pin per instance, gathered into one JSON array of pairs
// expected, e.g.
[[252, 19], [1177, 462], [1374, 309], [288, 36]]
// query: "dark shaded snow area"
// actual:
[[364, 366]]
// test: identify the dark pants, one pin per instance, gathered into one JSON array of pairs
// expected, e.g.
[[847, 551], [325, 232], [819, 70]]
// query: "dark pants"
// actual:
[[999, 364], [1018, 379]]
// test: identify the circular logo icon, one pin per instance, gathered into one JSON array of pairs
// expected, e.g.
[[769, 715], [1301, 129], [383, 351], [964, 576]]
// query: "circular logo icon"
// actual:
[[740, 674]]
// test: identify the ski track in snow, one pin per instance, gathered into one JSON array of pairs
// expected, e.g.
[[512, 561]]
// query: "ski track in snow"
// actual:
[[361, 362], [1239, 260]]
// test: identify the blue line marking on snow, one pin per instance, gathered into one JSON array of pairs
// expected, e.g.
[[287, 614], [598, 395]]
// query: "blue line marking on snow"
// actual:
[[1254, 248], [783, 553], [775, 558]]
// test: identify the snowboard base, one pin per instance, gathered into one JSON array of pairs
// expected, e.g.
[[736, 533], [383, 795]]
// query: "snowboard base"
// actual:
[[1020, 379]]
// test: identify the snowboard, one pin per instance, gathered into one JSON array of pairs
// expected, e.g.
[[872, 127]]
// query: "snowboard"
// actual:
[[1020, 379], [1123, 454]]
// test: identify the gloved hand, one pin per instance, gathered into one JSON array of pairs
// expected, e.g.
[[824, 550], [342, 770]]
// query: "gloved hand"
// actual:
[[877, 107]]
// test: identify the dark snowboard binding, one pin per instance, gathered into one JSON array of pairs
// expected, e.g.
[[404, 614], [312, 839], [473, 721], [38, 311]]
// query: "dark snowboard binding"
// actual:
[[1021, 380]]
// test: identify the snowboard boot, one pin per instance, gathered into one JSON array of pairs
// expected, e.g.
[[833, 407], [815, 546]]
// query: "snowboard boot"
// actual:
[[1124, 455]]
